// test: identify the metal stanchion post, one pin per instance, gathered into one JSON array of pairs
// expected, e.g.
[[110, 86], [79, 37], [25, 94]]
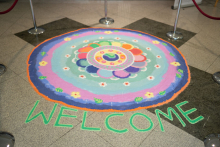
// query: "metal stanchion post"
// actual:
[[2, 69], [174, 34], [216, 77], [106, 20], [35, 30]]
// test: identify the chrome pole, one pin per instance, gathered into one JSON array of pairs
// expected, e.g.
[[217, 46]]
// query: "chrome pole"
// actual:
[[106, 9], [35, 30], [106, 20], [174, 34], [2, 69]]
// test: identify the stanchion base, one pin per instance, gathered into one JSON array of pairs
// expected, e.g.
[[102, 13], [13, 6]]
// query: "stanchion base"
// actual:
[[36, 31], [2, 69], [212, 140], [106, 21], [175, 36], [216, 77], [6, 139]]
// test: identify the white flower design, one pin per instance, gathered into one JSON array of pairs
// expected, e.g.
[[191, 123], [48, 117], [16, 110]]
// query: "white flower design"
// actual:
[[158, 56], [66, 68], [85, 41], [149, 49], [82, 76], [73, 46], [102, 84], [150, 77], [67, 55], [135, 40], [157, 66], [126, 83], [117, 38]]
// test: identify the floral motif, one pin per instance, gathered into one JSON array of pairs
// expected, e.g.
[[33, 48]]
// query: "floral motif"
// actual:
[[66, 68], [82, 76], [109, 63], [149, 94], [150, 77], [107, 32], [43, 63], [126, 83], [101, 37], [135, 40], [158, 56], [102, 84], [67, 39], [149, 49], [175, 63], [155, 42], [73, 46], [75, 94], [117, 38], [67, 55], [85, 41], [157, 66]]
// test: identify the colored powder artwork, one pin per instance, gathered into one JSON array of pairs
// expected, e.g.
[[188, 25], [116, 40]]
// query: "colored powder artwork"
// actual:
[[105, 70]]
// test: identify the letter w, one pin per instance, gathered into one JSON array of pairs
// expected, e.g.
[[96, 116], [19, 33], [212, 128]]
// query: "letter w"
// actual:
[[45, 120]]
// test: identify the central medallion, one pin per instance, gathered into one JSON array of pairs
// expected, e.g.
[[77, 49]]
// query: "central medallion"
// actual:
[[111, 58]]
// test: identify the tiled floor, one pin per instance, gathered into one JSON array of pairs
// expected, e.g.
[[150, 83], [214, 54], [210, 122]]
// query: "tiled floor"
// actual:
[[17, 97]]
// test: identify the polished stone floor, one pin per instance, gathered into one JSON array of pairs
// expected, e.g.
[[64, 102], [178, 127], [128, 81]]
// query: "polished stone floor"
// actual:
[[200, 46]]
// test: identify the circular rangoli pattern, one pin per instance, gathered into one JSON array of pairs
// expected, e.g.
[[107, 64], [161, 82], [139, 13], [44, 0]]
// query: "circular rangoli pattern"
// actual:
[[108, 70]]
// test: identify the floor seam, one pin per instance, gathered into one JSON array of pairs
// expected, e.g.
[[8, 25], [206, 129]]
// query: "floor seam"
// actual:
[[104, 139], [148, 135], [212, 63], [64, 134]]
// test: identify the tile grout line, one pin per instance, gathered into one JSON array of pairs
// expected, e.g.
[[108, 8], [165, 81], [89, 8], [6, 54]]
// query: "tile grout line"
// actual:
[[64, 134], [69, 130], [148, 135], [20, 109], [104, 139], [13, 24], [213, 63]]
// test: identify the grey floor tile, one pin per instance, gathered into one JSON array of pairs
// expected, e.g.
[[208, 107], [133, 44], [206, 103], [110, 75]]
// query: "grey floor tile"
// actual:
[[196, 57], [4, 25], [10, 44], [16, 61], [15, 94], [13, 16], [12, 86], [131, 138], [208, 44], [81, 138], [15, 28], [7, 75], [23, 75]]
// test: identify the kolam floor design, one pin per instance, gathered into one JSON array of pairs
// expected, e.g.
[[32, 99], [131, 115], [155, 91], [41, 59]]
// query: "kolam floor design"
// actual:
[[193, 94], [108, 70], [202, 94]]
